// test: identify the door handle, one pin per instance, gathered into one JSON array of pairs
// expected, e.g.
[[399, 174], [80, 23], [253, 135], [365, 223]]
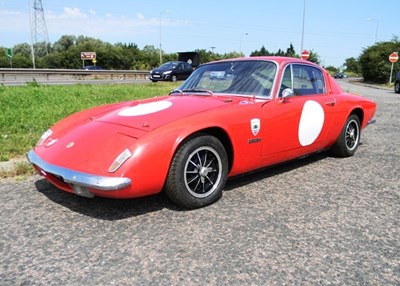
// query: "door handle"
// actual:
[[331, 103]]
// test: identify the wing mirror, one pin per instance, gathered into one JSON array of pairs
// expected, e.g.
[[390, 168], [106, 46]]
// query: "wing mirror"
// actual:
[[287, 93]]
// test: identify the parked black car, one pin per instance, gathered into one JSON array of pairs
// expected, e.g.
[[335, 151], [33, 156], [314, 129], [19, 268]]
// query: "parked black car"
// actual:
[[397, 83], [171, 71]]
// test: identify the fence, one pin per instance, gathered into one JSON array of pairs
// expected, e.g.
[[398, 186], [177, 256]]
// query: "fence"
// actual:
[[21, 76]]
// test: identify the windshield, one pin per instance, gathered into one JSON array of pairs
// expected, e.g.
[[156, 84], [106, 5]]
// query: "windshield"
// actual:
[[169, 65], [233, 77]]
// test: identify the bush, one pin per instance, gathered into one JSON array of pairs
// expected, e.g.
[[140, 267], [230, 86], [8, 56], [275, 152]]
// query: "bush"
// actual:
[[374, 61]]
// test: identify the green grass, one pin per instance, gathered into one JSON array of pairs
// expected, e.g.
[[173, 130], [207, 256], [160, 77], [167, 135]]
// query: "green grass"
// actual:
[[27, 111]]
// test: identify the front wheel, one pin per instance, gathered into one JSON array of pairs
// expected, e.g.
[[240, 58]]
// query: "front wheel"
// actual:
[[349, 138], [198, 172]]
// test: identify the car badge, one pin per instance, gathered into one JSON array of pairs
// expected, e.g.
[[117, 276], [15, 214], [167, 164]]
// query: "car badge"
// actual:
[[255, 126], [70, 145]]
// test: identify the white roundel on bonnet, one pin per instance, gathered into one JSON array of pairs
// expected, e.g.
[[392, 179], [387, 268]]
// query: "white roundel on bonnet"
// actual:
[[145, 108], [311, 122]]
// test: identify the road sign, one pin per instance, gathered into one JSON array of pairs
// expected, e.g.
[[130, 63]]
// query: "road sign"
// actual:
[[9, 54], [88, 56], [305, 55], [394, 57]]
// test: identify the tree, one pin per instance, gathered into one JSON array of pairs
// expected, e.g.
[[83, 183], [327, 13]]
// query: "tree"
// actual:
[[314, 57], [262, 52], [332, 70], [4, 62], [374, 61], [352, 65], [290, 52], [64, 43]]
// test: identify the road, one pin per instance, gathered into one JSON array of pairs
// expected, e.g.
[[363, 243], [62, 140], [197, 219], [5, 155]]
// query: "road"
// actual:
[[316, 221]]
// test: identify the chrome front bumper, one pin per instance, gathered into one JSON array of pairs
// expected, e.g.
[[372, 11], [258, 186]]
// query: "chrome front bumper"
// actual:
[[76, 178]]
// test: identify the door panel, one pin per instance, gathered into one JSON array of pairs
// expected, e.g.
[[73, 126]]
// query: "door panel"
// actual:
[[300, 124]]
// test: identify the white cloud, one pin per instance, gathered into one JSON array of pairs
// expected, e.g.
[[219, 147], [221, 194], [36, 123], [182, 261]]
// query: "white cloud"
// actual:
[[9, 13], [73, 13], [140, 16], [92, 12]]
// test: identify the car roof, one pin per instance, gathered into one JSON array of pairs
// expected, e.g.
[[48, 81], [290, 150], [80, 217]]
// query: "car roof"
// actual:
[[278, 59]]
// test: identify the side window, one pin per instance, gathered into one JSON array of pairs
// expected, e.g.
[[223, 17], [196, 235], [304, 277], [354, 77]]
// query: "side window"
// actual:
[[307, 80], [286, 80]]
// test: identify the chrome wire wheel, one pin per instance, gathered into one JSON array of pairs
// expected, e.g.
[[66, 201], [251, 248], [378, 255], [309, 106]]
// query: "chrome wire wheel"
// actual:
[[203, 171], [198, 172], [347, 142], [352, 135]]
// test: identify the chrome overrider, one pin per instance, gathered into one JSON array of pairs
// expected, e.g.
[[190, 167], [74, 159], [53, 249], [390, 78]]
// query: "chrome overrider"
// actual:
[[69, 176], [372, 121]]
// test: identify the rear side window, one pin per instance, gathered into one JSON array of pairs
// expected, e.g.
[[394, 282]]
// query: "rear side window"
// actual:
[[303, 80]]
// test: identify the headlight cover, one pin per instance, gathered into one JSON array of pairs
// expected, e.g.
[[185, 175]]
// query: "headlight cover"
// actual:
[[167, 72], [125, 155], [43, 138]]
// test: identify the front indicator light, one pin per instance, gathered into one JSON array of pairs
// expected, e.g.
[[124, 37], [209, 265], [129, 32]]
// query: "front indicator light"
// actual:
[[125, 155]]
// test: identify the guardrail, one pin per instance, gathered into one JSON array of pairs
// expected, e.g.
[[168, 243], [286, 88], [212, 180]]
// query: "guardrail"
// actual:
[[54, 75]]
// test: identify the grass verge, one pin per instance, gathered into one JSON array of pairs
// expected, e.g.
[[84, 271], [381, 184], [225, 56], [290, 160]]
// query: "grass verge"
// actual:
[[28, 111]]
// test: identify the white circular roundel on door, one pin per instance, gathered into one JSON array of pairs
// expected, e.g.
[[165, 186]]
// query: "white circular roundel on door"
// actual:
[[145, 108], [311, 122]]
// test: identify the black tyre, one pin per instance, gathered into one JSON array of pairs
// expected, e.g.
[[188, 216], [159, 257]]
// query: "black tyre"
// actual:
[[198, 172], [397, 87], [349, 138], [174, 78]]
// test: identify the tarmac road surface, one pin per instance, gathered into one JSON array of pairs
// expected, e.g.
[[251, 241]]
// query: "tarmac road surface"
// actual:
[[316, 221]]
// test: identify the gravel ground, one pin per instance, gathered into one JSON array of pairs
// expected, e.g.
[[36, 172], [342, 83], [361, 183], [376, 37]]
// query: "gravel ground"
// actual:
[[317, 221]]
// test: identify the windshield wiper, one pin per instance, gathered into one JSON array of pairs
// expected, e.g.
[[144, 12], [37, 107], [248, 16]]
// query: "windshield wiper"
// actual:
[[176, 91], [201, 90]]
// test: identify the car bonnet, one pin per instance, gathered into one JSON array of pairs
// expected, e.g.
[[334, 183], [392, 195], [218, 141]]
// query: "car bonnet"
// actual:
[[147, 115]]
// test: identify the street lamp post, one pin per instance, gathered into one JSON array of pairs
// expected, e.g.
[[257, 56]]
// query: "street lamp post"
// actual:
[[302, 30], [376, 28], [164, 12]]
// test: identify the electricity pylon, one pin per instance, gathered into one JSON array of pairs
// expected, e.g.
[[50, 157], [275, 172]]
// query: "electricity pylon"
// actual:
[[38, 27]]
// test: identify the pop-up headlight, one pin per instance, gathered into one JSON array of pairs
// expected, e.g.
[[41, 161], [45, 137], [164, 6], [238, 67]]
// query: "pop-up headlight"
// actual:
[[45, 135]]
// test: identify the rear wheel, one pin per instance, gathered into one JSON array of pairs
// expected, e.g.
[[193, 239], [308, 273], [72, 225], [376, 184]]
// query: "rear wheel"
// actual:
[[349, 138], [198, 172], [397, 87]]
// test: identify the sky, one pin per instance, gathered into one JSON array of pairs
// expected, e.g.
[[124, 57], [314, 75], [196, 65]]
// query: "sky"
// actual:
[[335, 29]]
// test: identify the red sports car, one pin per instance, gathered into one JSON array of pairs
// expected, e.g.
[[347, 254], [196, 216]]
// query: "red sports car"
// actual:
[[229, 117]]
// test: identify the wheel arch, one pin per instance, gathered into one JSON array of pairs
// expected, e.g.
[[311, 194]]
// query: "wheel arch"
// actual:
[[359, 113], [217, 132]]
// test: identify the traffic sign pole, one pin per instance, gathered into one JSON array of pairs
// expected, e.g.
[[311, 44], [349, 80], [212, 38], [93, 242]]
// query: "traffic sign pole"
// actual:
[[391, 73], [394, 57], [9, 56]]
